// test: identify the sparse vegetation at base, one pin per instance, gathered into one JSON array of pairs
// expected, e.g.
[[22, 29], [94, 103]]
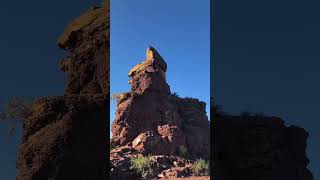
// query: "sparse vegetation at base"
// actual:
[[143, 166], [201, 166], [114, 146], [183, 151]]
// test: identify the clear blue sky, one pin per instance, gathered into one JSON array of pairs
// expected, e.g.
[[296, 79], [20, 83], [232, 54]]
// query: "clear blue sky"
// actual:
[[179, 30], [267, 59], [30, 57]]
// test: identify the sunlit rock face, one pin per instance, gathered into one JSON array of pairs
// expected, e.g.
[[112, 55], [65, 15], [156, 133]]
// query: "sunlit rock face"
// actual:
[[65, 136], [152, 120]]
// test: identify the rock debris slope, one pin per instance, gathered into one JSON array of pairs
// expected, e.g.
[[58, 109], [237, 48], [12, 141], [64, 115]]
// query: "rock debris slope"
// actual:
[[151, 120], [64, 136]]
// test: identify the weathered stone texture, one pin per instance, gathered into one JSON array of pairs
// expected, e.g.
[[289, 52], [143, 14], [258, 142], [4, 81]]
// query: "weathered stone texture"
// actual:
[[258, 148], [151, 120], [65, 136]]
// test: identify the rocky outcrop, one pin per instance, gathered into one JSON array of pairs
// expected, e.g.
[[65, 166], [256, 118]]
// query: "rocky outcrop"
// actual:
[[163, 166], [151, 120], [64, 137], [256, 147], [87, 39], [59, 136]]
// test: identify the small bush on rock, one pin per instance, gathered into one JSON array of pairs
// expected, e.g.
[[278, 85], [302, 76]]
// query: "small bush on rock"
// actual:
[[143, 166], [183, 151], [112, 146], [200, 166]]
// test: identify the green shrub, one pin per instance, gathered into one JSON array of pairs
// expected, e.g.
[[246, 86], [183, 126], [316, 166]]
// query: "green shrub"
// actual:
[[143, 166], [200, 166], [183, 151], [114, 146]]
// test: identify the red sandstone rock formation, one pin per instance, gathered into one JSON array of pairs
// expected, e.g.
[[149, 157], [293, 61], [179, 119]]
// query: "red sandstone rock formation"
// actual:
[[151, 120], [64, 137], [253, 147]]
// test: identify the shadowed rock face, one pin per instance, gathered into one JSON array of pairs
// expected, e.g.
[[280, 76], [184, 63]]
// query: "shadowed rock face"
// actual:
[[151, 120], [87, 41], [258, 148], [62, 136], [65, 136]]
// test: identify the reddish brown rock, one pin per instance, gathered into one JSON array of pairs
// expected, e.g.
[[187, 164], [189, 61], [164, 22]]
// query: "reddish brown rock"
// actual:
[[190, 178], [87, 40], [147, 142], [64, 137], [152, 121], [155, 121], [164, 167], [256, 147], [59, 136]]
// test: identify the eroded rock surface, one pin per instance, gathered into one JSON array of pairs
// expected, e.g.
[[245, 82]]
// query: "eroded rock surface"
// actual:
[[258, 148], [65, 136], [163, 166], [62, 136], [87, 39], [151, 120]]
